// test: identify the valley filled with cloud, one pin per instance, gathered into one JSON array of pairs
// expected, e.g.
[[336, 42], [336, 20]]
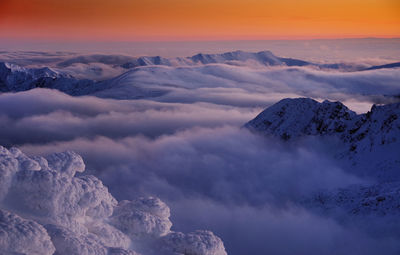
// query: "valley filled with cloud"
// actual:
[[174, 129]]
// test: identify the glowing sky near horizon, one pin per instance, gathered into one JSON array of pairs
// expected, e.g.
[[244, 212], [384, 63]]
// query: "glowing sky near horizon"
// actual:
[[198, 19]]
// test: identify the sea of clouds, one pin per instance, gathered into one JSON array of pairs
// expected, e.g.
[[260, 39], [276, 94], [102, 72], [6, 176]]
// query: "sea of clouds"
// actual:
[[187, 146]]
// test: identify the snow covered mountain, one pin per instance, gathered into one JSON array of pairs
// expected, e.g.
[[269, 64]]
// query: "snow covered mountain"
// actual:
[[380, 199], [16, 78], [263, 58], [46, 207], [147, 61], [266, 58], [151, 77], [371, 141], [181, 141], [369, 147], [291, 118], [373, 208]]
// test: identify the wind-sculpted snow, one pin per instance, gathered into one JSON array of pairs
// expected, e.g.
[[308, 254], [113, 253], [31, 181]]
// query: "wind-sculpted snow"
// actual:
[[143, 217], [21, 236], [72, 214], [68, 162], [69, 242], [196, 243]]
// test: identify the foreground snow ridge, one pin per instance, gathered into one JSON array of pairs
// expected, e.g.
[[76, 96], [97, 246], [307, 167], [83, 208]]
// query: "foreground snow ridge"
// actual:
[[46, 209]]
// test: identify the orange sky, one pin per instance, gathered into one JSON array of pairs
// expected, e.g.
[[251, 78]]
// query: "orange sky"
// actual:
[[124, 20]]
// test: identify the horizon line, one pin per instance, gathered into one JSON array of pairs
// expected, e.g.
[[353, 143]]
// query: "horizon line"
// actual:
[[57, 40]]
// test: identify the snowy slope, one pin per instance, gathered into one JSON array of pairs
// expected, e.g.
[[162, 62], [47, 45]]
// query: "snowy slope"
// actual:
[[359, 200], [369, 147], [192, 82], [147, 61], [291, 118], [153, 78], [372, 208], [266, 58], [371, 141], [202, 77], [16, 78]]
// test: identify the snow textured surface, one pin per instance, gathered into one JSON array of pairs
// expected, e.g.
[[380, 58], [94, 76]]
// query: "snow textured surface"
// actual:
[[17, 78], [67, 214], [196, 243], [18, 235], [369, 142], [142, 217], [291, 118], [263, 58]]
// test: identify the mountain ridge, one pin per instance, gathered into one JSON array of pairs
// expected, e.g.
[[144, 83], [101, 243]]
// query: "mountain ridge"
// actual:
[[369, 148], [14, 78], [266, 58], [369, 140]]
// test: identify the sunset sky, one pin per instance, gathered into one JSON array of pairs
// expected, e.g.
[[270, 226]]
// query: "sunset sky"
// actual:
[[132, 20]]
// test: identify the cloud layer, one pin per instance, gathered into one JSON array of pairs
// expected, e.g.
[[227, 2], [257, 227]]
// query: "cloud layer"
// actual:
[[197, 159], [186, 146]]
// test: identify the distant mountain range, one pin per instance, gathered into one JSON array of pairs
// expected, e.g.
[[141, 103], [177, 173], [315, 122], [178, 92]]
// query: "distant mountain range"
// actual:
[[262, 57], [366, 145], [16, 78], [266, 58]]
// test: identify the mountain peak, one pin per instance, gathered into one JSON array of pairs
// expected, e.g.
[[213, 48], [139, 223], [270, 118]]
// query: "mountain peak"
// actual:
[[370, 141], [290, 118]]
